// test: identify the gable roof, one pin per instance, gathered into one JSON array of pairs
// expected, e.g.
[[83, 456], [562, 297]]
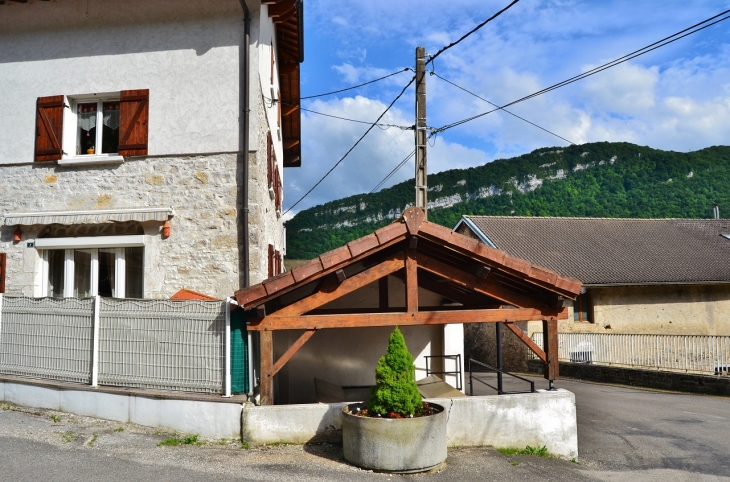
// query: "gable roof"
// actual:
[[491, 273], [601, 251]]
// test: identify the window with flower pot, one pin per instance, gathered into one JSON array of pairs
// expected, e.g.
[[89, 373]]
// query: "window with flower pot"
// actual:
[[92, 128]]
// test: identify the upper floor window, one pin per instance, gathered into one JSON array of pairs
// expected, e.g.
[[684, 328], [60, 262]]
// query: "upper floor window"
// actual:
[[583, 308], [92, 128], [98, 127]]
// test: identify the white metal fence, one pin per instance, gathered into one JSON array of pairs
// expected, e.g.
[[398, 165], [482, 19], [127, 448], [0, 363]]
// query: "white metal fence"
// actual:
[[704, 354], [161, 344]]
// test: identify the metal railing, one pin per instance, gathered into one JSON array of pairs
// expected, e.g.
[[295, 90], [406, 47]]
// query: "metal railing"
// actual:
[[499, 388], [455, 373], [702, 354], [160, 344]]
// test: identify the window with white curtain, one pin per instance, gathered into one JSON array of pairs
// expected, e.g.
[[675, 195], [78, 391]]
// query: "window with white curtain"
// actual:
[[110, 272], [98, 127]]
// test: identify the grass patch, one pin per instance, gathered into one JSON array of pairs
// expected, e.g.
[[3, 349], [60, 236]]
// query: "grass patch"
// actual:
[[245, 445], [515, 463], [574, 460], [528, 450], [93, 439], [55, 418], [69, 436], [176, 441], [119, 429]]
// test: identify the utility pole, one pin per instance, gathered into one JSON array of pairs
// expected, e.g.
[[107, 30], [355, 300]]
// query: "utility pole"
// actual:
[[421, 139]]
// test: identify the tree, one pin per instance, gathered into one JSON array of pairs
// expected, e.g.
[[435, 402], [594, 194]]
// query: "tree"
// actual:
[[395, 388]]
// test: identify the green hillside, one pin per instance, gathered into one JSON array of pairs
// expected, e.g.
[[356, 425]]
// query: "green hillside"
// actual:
[[592, 180]]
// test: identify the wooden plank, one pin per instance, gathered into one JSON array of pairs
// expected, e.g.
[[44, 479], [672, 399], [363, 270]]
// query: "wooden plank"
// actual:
[[363, 244], [484, 286], [291, 351], [383, 297], [349, 285], [390, 232], [266, 349], [414, 218], [278, 283], [411, 281], [550, 340], [527, 341], [335, 257], [311, 322], [3, 271], [307, 269]]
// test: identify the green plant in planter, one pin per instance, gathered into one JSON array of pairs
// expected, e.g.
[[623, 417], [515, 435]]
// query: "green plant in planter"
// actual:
[[395, 388]]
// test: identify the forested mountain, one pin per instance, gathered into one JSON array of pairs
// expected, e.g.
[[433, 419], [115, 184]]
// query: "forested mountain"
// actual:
[[600, 179]]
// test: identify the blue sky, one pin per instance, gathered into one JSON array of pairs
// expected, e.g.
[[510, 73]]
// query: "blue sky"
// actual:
[[675, 98]]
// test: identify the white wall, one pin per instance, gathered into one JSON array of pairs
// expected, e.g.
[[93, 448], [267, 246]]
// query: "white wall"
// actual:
[[185, 53]]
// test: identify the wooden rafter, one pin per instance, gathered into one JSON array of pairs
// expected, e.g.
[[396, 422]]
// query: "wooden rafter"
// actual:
[[347, 286], [290, 353]]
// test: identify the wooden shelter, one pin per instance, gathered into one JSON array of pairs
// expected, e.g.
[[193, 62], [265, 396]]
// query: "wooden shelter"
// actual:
[[477, 284]]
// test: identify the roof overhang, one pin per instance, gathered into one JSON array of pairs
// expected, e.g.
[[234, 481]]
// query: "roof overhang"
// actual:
[[288, 17]]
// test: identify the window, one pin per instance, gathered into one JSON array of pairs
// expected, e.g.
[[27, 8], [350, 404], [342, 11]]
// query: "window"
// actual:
[[85, 270], [583, 308], [98, 127], [92, 128]]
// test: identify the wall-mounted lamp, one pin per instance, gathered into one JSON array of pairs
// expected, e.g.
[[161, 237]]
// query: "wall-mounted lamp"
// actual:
[[17, 235], [166, 229]]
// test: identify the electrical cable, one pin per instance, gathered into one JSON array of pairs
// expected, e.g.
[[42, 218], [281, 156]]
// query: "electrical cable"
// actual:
[[395, 169], [505, 110], [353, 87], [600, 68], [385, 126], [354, 146], [452, 44]]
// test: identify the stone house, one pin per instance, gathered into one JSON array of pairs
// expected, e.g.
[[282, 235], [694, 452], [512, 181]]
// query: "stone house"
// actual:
[[141, 144], [640, 276]]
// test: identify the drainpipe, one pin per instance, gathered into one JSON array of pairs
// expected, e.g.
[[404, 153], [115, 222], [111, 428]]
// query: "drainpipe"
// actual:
[[245, 147]]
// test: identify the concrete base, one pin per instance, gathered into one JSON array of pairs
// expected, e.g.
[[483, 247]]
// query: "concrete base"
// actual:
[[512, 421], [206, 418]]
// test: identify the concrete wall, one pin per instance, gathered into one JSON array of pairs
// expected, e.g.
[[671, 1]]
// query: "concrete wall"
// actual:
[[213, 420], [668, 309], [509, 421], [187, 56]]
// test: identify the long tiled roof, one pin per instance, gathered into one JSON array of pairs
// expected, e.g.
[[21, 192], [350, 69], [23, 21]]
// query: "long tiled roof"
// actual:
[[616, 251]]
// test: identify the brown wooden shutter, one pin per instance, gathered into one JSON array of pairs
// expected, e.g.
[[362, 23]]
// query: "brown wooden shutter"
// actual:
[[3, 270], [49, 128], [277, 188], [134, 112], [271, 261], [277, 255], [269, 158], [278, 108]]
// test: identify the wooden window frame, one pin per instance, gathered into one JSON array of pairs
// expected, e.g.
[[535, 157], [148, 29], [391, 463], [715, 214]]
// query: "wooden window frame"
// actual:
[[583, 298]]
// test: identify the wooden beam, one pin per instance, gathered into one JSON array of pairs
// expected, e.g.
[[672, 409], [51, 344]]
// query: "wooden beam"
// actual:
[[291, 142], [411, 281], [289, 110], [347, 286], [527, 341], [352, 311], [290, 352], [550, 340], [315, 322], [266, 349], [383, 293], [484, 286]]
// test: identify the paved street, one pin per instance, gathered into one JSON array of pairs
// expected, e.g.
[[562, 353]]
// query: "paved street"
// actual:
[[624, 434]]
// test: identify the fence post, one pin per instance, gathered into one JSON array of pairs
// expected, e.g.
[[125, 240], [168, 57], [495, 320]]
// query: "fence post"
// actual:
[[227, 370], [95, 344]]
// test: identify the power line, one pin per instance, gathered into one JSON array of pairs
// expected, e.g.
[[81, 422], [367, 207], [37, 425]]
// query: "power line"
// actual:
[[660, 43], [395, 169], [353, 87], [452, 44], [505, 110], [386, 126], [354, 146]]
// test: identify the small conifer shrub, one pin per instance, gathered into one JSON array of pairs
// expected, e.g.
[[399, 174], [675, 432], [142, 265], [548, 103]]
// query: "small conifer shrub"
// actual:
[[395, 393]]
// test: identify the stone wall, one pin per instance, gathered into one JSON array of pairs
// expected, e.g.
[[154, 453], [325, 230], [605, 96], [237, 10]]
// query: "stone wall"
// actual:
[[201, 254], [480, 343]]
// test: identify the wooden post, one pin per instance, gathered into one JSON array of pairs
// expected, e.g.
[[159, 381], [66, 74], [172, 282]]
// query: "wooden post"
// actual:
[[550, 341], [421, 138], [411, 281], [266, 349]]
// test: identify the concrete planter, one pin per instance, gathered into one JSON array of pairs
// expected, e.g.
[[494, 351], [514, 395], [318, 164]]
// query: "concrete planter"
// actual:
[[394, 445]]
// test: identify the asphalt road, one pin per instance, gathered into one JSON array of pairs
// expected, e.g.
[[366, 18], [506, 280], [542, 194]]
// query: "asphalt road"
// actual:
[[624, 434]]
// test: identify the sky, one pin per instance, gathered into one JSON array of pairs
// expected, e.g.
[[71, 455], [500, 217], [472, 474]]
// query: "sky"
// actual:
[[674, 98]]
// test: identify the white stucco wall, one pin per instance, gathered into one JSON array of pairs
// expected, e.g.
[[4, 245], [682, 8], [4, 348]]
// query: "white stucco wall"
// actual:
[[185, 53]]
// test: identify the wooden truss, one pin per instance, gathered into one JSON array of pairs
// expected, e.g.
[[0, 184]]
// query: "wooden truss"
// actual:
[[481, 284]]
